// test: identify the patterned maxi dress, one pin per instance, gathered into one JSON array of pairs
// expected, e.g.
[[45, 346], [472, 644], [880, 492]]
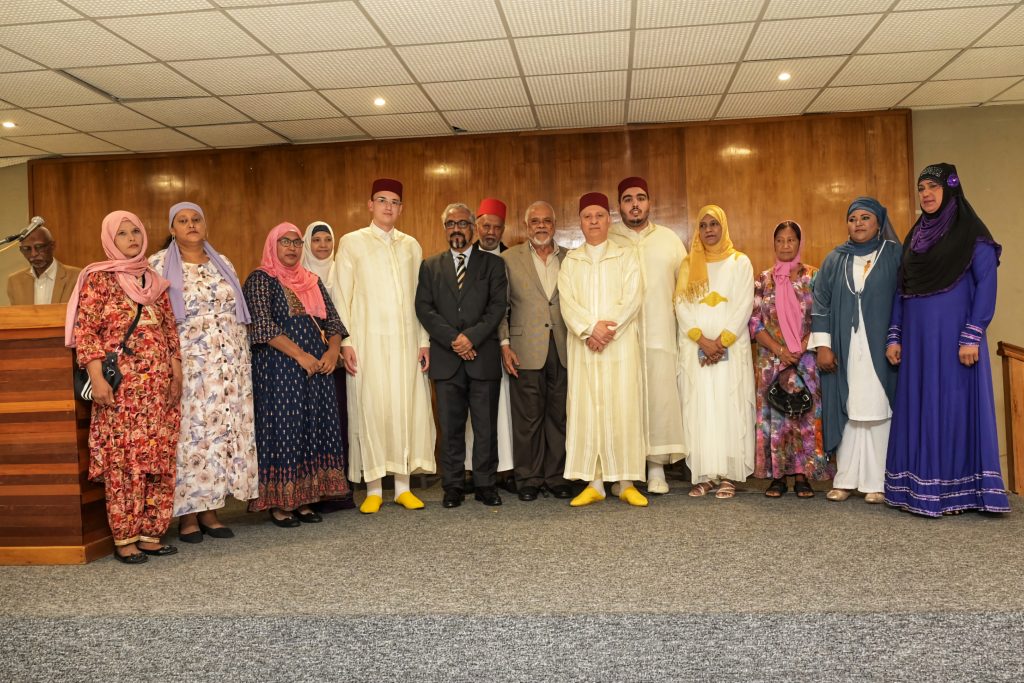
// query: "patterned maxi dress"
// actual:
[[786, 446], [217, 445], [298, 435]]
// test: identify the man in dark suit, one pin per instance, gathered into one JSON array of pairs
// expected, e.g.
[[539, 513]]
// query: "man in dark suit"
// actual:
[[460, 300]]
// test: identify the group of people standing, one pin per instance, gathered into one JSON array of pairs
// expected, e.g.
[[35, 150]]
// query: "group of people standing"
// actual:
[[576, 368]]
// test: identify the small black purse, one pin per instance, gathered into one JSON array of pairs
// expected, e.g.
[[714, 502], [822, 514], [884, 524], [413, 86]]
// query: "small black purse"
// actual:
[[111, 373], [794, 404]]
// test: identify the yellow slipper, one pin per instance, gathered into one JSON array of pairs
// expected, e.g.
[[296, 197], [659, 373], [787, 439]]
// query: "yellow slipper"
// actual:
[[409, 501], [633, 497], [588, 496], [371, 504]]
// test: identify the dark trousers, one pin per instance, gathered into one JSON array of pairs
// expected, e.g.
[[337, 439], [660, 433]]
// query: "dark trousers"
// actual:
[[538, 423], [455, 396]]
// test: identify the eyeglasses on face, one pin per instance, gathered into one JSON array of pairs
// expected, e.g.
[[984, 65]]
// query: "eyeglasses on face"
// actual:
[[285, 242], [384, 201], [31, 248], [462, 224]]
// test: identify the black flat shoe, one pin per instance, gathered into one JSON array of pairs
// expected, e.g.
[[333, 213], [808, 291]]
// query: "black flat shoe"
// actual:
[[289, 522], [488, 496], [162, 551], [309, 517], [216, 531], [528, 493], [562, 492], [192, 536], [452, 498], [134, 558]]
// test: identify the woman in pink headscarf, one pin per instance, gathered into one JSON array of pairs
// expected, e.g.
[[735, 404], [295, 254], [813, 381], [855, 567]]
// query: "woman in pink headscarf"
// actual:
[[781, 324], [296, 339], [134, 431]]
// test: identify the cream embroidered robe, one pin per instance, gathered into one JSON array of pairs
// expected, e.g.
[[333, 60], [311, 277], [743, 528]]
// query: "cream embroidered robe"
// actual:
[[718, 400], [606, 435], [660, 254], [390, 419]]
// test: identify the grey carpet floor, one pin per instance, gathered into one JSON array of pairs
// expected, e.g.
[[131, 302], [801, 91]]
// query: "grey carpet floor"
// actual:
[[687, 589]]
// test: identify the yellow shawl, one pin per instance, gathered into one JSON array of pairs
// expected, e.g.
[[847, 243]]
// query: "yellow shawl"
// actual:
[[692, 283]]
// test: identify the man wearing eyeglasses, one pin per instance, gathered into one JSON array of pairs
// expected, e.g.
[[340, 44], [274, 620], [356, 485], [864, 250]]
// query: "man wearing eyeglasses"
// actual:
[[460, 300], [46, 280]]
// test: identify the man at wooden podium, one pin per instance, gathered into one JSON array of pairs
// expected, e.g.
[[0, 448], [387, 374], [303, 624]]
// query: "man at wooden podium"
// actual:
[[46, 280]]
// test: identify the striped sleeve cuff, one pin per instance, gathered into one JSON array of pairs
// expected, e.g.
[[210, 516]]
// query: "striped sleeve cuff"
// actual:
[[895, 336], [971, 335]]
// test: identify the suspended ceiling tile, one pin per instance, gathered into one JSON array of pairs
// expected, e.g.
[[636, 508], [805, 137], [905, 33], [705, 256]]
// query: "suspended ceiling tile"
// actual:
[[802, 9], [585, 115], [69, 143], [70, 43], [488, 93], [957, 92], [1009, 31], [191, 111], [153, 140], [810, 37], [138, 81], [6, 161], [24, 12], [662, 109], [905, 5], [32, 123], [986, 62], [403, 125], [931, 30], [405, 22], [120, 8], [9, 148], [248, 3], [350, 69], [690, 46], [861, 97], [242, 75], [1014, 93], [665, 13], [750, 105], [892, 68], [492, 120], [95, 117], [574, 53], [681, 81], [195, 35], [45, 89], [1000, 103], [12, 62], [460, 61], [234, 135], [542, 17], [588, 87], [317, 129], [309, 28], [287, 106], [398, 99], [804, 73]]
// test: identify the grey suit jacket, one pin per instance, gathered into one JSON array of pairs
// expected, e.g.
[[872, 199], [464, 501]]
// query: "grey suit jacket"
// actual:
[[532, 316], [21, 285]]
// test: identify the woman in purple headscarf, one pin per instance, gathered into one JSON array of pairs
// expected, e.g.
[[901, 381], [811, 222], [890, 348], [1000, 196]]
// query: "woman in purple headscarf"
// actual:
[[217, 445], [943, 449]]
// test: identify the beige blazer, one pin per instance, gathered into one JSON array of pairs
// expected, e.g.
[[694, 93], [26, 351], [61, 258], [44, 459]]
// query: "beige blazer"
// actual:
[[532, 316], [21, 284]]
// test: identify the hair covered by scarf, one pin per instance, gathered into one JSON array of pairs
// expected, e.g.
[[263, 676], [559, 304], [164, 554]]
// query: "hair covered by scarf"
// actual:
[[305, 284], [692, 283], [787, 305], [322, 267]]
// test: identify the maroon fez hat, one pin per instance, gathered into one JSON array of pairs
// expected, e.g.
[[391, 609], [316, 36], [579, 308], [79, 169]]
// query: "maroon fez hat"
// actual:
[[632, 181], [386, 185], [594, 199], [492, 206]]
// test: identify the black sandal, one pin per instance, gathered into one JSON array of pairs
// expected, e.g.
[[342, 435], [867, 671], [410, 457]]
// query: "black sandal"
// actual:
[[802, 488], [777, 488]]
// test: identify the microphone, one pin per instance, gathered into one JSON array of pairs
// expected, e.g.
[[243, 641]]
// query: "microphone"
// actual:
[[33, 224]]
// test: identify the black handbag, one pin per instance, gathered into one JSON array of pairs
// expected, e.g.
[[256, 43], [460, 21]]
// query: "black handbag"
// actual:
[[111, 373], [791, 404]]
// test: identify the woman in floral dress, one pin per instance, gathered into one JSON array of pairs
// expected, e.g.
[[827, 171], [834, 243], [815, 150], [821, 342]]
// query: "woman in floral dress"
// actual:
[[217, 446], [781, 324], [133, 432]]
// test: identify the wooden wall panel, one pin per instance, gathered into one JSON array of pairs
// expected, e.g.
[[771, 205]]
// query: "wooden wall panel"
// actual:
[[805, 168]]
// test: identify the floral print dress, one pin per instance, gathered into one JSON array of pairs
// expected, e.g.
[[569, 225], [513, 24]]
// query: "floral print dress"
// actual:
[[786, 446], [217, 446]]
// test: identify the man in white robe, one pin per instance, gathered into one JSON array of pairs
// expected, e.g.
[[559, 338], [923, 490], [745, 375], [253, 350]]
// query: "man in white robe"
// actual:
[[661, 253], [391, 424], [600, 294]]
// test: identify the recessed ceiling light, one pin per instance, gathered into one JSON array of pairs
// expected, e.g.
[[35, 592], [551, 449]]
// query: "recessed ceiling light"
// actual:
[[784, 76], [379, 101], [9, 124]]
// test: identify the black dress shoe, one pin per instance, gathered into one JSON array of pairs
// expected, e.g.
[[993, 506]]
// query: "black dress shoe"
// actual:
[[452, 498], [564, 491], [192, 536], [309, 517], [161, 551], [488, 495], [334, 505], [289, 522], [216, 531], [508, 483], [134, 558], [528, 493]]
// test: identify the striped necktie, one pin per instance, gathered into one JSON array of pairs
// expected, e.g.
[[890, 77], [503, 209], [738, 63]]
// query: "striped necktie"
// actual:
[[460, 269]]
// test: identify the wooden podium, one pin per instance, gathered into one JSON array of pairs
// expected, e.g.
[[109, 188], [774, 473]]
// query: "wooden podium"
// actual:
[[1013, 400], [50, 513]]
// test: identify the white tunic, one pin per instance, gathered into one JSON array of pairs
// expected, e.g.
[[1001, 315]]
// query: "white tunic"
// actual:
[[660, 253], [390, 420], [718, 400], [606, 434]]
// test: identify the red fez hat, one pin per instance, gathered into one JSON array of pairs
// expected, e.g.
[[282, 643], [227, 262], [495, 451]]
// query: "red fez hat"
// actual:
[[594, 199], [386, 185], [492, 206], [633, 181]]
